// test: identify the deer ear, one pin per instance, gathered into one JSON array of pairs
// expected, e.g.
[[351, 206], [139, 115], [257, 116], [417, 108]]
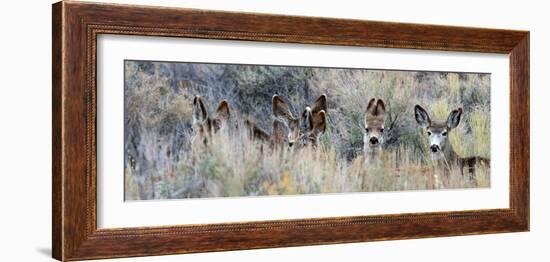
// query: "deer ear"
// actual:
[[223, 112], [380, 108], [319, 104], [280, 108], [421, 116], [454, 118], [319, 121], [199, 110], [370, 106]]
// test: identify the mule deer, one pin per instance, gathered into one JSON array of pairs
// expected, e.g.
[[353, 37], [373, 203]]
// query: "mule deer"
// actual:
[[305, 129], [257, 133], [441, 148], [203, 125], [373, 137]]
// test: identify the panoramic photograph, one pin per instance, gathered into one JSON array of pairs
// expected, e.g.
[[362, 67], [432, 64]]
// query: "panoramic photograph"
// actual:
[[205, 130]]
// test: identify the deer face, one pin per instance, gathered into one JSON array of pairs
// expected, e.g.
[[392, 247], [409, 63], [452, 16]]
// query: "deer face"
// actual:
[[305, 129], [295, 130], [374, 123], [438, 132], [203, 125]]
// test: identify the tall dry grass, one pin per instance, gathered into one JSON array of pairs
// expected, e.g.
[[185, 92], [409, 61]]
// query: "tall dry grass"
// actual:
[[230, 166]]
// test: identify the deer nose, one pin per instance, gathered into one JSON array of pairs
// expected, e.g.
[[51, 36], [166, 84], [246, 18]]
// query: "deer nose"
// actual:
[[373, 140], [434, 148]]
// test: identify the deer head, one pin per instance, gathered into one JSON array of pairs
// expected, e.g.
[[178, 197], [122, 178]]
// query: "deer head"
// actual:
[[374, 123], [308, 127], [203, 125], [438, 131]]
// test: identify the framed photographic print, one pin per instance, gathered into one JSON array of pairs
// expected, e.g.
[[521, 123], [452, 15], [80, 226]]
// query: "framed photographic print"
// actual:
[[182, 130]]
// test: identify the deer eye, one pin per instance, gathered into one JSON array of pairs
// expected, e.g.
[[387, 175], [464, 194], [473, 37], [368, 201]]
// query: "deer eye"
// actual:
[[368, 129], [381, 130], [429, 133], [444, 133]]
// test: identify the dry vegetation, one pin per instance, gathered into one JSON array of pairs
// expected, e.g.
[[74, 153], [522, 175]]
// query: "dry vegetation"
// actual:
[[160, 164]]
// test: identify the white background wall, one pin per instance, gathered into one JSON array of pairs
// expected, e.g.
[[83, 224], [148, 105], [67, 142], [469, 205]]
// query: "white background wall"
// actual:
[[25, 136]]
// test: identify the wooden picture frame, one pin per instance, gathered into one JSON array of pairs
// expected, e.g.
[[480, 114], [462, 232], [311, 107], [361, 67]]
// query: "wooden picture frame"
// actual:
[[76, 26]]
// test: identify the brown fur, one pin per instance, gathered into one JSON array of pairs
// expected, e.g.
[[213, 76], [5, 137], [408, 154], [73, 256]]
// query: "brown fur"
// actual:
[[203, 125], [257, 133], [373, 136], [303, 130], [442, 152]]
